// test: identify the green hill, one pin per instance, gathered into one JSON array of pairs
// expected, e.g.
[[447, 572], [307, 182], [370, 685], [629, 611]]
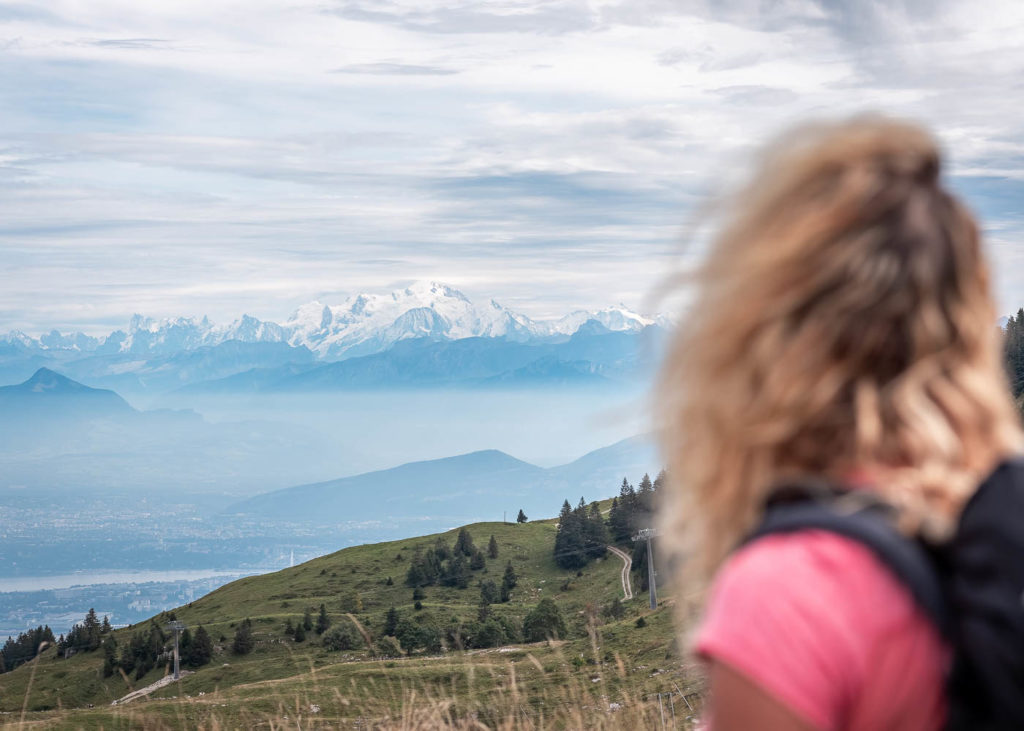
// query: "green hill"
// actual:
[[603, 660]]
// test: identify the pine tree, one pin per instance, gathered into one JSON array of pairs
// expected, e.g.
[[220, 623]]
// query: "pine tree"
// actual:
[[477, 562], [322, 620], [570, 539], [521, 518], [289, 628], [391, 622], [623, 512], [464, 543], [185, 643], [105, 628], [644, 503], [659, 481], [201, 650], [109, 656], [488, 592], [300, 634], [456, 572], [243, 642], [91, 628], [307, 620], [492, 548], [509, 580], [596, 533]]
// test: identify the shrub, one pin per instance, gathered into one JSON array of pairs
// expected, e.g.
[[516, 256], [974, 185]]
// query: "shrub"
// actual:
[[544, 621], [342, 636], [387, 647], [615, 610]]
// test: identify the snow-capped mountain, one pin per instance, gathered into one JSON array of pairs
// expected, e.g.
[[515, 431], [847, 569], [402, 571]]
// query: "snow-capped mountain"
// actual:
[[369, 323], [361, 325]]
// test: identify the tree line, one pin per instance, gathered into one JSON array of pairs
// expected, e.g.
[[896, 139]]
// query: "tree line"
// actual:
[[584, 533], [25, 647], [1013, 354]]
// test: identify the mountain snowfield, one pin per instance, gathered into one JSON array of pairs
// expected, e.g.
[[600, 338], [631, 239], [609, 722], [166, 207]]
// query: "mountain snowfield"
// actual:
[[361, 325]]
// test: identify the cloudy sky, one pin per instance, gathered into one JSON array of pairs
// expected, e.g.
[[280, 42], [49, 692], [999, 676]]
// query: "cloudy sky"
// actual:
[[218, 157]]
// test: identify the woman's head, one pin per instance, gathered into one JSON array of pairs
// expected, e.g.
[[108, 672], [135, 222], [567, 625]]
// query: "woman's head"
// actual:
[[842, 320]]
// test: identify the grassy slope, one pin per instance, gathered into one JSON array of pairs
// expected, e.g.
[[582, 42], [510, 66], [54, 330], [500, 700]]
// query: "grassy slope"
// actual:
[[281, 677]]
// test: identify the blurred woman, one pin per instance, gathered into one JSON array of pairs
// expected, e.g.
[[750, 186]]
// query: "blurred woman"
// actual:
[[842, 329]]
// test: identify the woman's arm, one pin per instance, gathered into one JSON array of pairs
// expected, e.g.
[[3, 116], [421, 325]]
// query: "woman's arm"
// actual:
[[737, 704]]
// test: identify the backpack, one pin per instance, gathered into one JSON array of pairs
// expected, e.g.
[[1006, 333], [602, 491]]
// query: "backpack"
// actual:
[[972, 586]]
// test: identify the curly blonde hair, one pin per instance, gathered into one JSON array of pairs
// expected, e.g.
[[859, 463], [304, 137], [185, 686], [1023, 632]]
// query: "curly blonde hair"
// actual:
[[842, 320]]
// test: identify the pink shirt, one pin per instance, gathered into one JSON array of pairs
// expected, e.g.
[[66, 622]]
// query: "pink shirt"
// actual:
[[818, 623]]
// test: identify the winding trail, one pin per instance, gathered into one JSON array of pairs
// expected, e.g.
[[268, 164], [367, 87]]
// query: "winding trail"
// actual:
[[627, 566], [141, 692]]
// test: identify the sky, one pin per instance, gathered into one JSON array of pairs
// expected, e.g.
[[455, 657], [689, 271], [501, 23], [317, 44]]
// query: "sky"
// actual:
[[177, 157]]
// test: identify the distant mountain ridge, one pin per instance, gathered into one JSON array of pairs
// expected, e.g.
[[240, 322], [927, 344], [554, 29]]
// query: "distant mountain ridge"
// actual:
[[48, 392], [427, 334], [362, 324], [443, 492]]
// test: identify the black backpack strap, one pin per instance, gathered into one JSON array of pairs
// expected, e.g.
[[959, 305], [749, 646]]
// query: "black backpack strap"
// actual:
[[858, 515]]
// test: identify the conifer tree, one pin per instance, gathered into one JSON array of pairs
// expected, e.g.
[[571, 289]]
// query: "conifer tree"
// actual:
[[596, 533], [201, 650], [441, 549], [509, 580], [456, 572], [391, 622], [492, 548], [109, 656], [322, 620], [243, 642], [570, 539], [623, 511], [488, 592], [91, 628], [477, 562], [300, 633], [464, 543], [521, 518], [307, 620]]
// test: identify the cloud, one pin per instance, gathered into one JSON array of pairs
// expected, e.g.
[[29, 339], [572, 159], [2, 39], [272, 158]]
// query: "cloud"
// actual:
[[396, 69], [544, 153], [130, 43], [544, 17]]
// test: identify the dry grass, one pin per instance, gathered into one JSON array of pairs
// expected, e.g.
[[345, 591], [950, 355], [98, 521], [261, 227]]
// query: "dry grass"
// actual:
[[474, 691]]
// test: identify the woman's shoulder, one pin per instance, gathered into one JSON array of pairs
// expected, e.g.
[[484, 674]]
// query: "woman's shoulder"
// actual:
[[809, 616], [808, 564], [834, 580]]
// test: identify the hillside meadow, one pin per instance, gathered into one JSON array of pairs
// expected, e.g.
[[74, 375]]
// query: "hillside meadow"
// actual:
[[605, 673]]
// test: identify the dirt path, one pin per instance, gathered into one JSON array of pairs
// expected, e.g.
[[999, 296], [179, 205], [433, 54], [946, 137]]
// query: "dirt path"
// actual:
[[136, 694], [627, 566]]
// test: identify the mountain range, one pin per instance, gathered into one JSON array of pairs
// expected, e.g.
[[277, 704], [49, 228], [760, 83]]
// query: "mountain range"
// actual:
[[152, 356]]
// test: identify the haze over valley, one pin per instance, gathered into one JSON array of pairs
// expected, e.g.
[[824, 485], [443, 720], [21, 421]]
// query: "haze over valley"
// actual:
[[180, 445]]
